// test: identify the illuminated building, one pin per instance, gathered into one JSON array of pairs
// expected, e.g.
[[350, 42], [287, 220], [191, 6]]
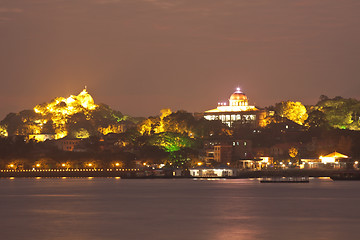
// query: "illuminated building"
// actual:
[[332, 160], [237, 110], [211, 172]]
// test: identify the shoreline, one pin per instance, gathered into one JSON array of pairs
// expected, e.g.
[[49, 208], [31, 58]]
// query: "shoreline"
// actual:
[[141, 174]]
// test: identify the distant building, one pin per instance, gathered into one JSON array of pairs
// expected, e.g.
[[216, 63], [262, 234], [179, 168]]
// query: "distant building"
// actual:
[[211, 172], [41, 137], [70, 144], [237, 110], [332, 160], [242, 148], [254, 164], [223, 153]]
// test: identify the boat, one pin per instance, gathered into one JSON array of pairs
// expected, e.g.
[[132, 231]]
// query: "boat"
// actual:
[[284, 180], [346, 175]]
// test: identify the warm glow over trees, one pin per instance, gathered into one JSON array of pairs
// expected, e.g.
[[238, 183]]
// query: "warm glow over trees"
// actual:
[[154, 124], [77, 116], [3, 131], [293, 152], [294, 111]]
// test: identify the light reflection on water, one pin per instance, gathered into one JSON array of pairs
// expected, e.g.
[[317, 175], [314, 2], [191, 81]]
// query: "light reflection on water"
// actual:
[[109, 208]]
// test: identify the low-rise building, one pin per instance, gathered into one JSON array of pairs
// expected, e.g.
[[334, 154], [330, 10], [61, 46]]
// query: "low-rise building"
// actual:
[[211, 172], [223, 153], [70, 144], [333, 160]]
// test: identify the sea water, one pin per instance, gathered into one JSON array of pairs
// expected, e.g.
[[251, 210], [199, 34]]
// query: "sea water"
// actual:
[[171, 209]]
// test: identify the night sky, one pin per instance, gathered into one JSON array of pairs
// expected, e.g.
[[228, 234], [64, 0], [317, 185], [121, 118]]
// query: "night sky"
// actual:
[[140, 56]]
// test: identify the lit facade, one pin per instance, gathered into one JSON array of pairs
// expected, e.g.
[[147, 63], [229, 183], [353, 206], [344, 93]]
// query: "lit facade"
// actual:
[[237, 110], [211, 172]]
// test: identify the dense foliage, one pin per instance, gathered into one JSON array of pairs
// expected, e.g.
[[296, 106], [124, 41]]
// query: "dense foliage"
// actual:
[[76, 116], [175, 138]]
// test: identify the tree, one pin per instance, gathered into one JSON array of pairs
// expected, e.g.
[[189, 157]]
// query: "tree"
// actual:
[[3, 131], [293, 152], [340, 112], [294, 111], [179, 122], [316, 119]]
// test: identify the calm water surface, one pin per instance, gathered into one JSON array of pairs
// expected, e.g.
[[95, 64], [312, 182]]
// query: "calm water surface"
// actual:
[[109, 208]]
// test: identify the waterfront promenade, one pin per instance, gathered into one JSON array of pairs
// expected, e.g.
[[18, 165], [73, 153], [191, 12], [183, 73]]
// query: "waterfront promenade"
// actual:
[[146, 173]]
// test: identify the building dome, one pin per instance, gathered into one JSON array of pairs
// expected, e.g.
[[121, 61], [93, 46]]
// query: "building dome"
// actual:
[[238, 95]]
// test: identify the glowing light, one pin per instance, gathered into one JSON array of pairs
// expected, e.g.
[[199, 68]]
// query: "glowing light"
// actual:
[[11, 165], [61, 108], [38, 165], [90, 164], [144, 163], [199, 163], [3, 131], [111, 129], [117, 164], [228, 163]]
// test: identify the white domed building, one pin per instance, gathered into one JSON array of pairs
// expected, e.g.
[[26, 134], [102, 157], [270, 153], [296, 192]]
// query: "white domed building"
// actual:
[[237, 110]]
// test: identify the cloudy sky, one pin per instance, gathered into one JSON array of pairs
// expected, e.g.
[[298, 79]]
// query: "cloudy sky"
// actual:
[[140, 56]]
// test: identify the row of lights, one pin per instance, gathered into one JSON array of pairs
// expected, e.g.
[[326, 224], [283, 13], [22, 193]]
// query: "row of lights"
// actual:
[[64, 165], [12, 178], [70, 170]]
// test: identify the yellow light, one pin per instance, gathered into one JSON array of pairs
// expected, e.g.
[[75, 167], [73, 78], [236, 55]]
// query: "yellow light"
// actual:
[[38, 165], [199, 163], [64, 165], [60, 108], [144, 164], [356, 162], [228, 163], [117, 164], [11, 165], [90, 164], [117, 177]]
